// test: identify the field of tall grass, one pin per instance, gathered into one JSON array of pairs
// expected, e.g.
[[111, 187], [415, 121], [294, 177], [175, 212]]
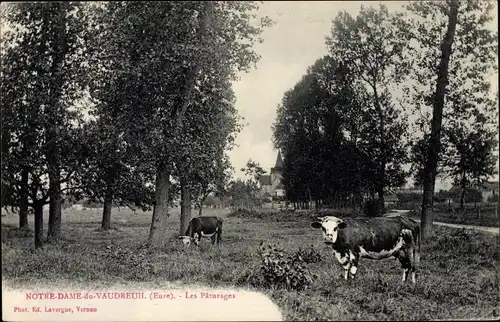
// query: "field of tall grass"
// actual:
[[458, 277]]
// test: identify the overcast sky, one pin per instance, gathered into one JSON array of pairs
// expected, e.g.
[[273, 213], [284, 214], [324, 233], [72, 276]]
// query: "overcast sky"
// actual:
[[291, 45]]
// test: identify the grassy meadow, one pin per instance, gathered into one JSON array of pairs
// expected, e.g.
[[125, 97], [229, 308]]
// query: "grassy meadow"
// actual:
[[458, 277], [487, 217]]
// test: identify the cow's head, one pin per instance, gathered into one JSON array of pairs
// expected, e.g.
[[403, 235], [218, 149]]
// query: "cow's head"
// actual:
[[186, 240], [330, 227]]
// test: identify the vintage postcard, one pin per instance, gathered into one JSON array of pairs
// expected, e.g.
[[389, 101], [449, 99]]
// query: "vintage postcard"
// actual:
[[249, 161]]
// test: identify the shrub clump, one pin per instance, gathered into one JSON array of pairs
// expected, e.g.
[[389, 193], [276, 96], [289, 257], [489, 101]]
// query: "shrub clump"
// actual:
[[460, 242], [280, 269], [241, 213], [371, 208], [309, 255]]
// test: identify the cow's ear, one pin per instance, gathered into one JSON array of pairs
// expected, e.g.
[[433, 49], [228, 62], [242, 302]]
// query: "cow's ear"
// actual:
[[180, 237], [342, 225], [316, 224]]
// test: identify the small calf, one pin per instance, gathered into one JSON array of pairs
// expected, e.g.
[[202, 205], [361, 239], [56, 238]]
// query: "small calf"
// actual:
[[372, 238], [205, 226]]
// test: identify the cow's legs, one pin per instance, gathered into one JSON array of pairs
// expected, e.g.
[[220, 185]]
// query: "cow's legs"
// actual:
[[213, 239], [354, 259], [347, 267], [414, 259], [405, 261], [219, 234], [197, 239], [344, 260]]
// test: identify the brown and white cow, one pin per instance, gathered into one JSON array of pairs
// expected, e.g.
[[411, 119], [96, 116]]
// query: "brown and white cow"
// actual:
[[372, 238], [204, 226]]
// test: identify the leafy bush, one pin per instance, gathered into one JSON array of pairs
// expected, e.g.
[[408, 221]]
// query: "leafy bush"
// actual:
[[465, 243], [242, 213], [283, 270], [310, 255]]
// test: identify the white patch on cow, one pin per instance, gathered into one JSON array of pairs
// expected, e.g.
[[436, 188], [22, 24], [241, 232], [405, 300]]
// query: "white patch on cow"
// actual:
[[406, 232], [207, 235], [405, 271], [383, 253], [351, 256], [341, 259], [354, 269], [186, 240]]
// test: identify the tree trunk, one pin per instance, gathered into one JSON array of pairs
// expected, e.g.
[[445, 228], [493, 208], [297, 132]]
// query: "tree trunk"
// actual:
[[54, 115], [23, 194], [106, 211], [54, 232], [462, 198], [309, 197], [463, 186], [38, 208], [110, 178], [185, 100], [433, 147], [185, 205], [381, 116], [381, 199], [158, 227], [202, 201]]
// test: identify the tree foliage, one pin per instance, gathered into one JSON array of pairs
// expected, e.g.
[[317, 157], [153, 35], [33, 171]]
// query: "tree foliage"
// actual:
[[373, 46], [167, 81], [453, 53], [328, 132], [42, 65]]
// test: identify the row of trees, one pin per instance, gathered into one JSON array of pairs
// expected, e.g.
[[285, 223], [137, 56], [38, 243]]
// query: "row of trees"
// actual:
[[124, 103], [345, 132]]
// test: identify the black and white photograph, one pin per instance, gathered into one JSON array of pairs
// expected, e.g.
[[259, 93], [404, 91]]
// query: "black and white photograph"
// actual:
[[250, 160]]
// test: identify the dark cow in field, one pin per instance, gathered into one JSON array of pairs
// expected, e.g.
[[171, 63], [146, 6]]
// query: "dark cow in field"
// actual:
[[372, 238], [204, 226]]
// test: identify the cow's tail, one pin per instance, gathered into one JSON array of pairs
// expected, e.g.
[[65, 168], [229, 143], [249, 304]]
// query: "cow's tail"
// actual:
[[416, 251], [219, 222]]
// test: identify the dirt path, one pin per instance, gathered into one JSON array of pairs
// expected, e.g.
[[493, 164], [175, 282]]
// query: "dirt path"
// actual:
[[492, 230]]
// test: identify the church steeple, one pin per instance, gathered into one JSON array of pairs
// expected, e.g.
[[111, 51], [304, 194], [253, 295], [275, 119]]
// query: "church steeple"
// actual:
[[279, 162], [276, 172]]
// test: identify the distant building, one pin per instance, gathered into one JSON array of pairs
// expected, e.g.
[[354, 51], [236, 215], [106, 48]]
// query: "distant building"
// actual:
[[488, 190], [391, 200], [271, 183], [412, 190], [77, 206]]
